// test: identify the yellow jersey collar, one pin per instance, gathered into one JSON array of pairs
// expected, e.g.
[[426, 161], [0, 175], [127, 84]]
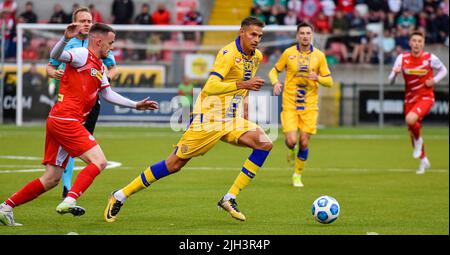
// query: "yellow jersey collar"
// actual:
[[238, 46], [311, 48]]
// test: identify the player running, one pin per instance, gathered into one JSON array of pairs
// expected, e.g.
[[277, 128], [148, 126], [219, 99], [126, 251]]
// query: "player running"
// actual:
[[306, 68], [66, 136], [216, 116], [55, 69], [417, 69]]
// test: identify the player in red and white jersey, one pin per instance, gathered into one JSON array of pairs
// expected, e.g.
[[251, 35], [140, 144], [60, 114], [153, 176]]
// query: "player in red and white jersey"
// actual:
[[65, 134], [417, 69]]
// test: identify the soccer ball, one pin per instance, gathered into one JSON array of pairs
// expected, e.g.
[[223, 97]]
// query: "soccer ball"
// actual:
[[325, 209]]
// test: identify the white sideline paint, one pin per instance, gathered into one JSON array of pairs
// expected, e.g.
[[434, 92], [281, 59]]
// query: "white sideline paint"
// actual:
[[113, 164], [110, 164], [324, 137]]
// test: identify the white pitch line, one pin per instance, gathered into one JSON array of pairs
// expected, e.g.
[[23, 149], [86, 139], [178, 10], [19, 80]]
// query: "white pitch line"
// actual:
[[111, 164], [203, 168]]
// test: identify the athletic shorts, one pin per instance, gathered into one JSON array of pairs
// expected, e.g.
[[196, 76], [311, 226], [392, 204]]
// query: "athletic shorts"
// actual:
[[294, 120], [201, 137], [420, 107], [65, 138]]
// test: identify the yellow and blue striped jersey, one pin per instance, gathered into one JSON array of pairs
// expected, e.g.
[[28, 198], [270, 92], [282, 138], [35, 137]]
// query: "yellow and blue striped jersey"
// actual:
[[300, 93], [220, 99]]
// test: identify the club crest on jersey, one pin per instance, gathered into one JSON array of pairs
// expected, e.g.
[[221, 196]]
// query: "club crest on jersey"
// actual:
[[291, 57], [96, 73], [238, 60], [425, 62]]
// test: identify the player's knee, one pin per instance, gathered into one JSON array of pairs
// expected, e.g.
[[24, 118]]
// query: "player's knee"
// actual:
[[265, 146], [101, 163], [303, 144], [410, 120], [290, 143], [50, 181]]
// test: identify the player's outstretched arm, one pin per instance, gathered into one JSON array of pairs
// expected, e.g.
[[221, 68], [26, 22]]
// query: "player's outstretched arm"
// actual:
[[396, 69], [115, 98], [58, 52]]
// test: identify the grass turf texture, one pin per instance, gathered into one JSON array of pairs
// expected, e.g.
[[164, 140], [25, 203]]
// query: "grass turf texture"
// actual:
[[370, 172]]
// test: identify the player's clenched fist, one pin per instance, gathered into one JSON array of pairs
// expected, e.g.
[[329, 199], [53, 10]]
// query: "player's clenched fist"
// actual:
[[254, 83]]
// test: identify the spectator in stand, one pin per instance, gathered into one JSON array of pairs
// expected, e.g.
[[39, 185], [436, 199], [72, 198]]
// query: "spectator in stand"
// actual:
[[161, 16], [362, 7], [8, 21], [347, 7], [257, 12], [122, 11], [444, 5], [58, 16], [414, 6], [28, 16], [402, 40], [265, 6], [154, 52], [340, 24], [407, 21], [193, 17], [322, 24], [294, 5], [441, 22], [143, 18], [96, 14], [336, 45], [9, 7], [389, 22], [328, 8], [277, 15], [357, 37], [291, 19], [378, 5], [310, 10], [394, 6], [422, 20], [430, 6], [388, 47], [75, 6]]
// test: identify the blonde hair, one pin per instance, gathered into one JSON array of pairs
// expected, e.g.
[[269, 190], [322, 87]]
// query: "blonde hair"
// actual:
[[81, 9]]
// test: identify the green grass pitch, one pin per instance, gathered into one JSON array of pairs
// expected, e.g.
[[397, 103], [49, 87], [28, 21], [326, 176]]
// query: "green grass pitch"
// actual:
[[370, 171]]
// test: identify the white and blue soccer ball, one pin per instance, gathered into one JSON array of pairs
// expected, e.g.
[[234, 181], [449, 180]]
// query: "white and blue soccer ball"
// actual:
[[325, 209]]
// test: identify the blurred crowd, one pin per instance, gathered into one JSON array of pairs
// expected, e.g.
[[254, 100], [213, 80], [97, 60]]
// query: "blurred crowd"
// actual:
[[349, 26], [122, 12], [352, 26]]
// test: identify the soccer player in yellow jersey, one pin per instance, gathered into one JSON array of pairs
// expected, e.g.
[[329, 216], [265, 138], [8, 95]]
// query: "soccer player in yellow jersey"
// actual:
[[306, 68], [216, 116]]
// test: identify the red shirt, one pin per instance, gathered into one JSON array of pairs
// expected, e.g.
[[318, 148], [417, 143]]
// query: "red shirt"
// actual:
[[82, 79], [161, 18], [416, 70]]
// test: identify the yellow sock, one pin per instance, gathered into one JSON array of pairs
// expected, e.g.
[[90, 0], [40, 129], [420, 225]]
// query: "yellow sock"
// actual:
[[245, 176], [299, 165], [141, 182]]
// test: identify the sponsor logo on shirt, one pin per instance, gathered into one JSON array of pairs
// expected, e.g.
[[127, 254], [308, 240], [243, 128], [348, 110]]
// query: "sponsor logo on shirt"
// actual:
[[420, 72]]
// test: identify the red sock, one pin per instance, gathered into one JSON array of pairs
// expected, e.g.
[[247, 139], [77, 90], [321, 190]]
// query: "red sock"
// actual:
[[29, 192], [423, 155], [84, 180], [415, 130]]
